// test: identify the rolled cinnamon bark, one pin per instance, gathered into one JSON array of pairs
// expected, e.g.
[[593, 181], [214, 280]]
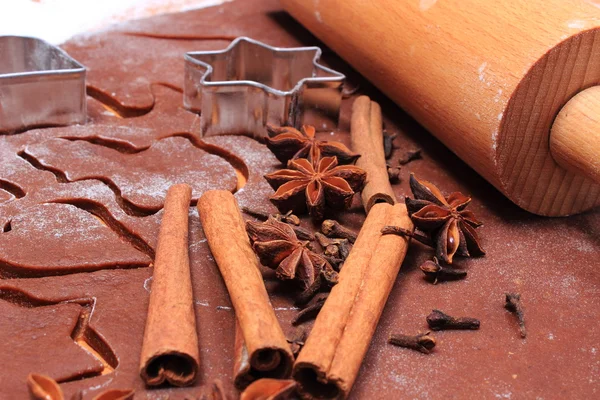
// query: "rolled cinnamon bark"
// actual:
[[261, 347], [170, 347], [328, 364], [366, 135]]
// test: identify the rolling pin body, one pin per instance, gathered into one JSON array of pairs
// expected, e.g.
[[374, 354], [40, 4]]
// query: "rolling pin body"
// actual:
[[487, 78]]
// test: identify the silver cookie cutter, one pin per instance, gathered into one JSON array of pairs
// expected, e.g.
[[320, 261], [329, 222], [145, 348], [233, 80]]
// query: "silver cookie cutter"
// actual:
[[40, 85], [240, 89]]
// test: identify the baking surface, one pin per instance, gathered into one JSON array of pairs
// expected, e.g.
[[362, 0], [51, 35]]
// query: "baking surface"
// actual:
[[62, 217]]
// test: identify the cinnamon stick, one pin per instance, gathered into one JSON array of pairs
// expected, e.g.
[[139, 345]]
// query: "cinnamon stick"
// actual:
[[366, 133], [329, 362], [261, 345], [170, 347]]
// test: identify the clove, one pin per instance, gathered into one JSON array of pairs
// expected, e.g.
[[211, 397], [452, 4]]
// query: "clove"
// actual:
[[436, 272], [288, 217], [344, 247], [334, 247], [422, 342], [297, 340], [409, 156], [333, 229], [388, 144], [396, 230], [438, 321], [393, 174], [336, 263], [326, 279], [329, 246], [310, 311], [513, 304]]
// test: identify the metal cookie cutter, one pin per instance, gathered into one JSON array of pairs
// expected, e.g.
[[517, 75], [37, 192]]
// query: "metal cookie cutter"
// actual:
[[249, 84], [40, 85]]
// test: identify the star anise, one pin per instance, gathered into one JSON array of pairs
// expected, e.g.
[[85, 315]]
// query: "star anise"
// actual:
[[315, 184], [444, 220], [278, 248], [288, 143]]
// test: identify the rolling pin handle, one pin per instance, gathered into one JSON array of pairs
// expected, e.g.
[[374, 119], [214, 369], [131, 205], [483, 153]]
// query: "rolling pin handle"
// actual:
[[575, 134]]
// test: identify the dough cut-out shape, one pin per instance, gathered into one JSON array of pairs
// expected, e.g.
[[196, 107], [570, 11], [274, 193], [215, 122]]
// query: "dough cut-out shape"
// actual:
[[39, 340], [5, 196], [166, 117], [17, 172], [58, 239], [119, 315], [96, 198], [258, 160], [126, 85], [142, 178]]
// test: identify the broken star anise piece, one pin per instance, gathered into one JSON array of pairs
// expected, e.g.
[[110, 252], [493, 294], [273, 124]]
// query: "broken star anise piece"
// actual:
[[305, 184], [278, 248], [450, 227], [288, 143]]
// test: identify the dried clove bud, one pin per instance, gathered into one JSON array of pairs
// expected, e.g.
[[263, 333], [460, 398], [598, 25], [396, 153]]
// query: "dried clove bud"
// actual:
[[311, 310], [332, 251], [435, 272], [260, 215], [297, 341], [334, 247], [513, 304], [329, 245], [326, 279], [422, 342], [388, 144], [345, 247], [333, 229], [290, 218], [336, 263], [438, 321], [409, 156], [393, 174], [397, 230]]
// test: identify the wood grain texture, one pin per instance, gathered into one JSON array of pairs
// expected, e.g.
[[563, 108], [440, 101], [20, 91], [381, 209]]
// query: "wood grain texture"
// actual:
[[486, 78], [575, 137]]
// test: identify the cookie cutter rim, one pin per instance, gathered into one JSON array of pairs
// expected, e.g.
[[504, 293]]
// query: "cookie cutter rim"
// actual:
[[245, 106], [65, 103], [337, 76], [77, 66]]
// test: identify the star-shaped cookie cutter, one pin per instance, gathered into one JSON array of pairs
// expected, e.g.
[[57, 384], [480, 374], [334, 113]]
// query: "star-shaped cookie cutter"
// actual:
[[249, 84], [40, 85]]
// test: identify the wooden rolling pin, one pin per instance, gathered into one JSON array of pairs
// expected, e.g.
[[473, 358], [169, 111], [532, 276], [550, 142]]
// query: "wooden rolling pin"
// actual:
[[509, 86]]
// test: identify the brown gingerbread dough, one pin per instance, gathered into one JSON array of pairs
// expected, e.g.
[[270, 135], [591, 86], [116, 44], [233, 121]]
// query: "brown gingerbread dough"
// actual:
[[551, 262]]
